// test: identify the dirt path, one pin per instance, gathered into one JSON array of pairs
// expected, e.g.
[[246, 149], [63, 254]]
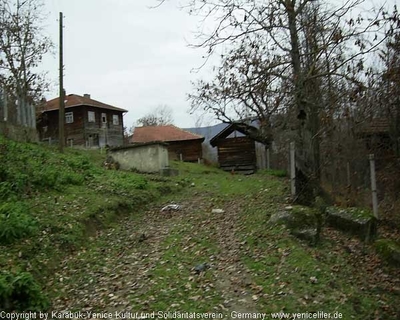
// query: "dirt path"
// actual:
[[147, 264], [115, 272]]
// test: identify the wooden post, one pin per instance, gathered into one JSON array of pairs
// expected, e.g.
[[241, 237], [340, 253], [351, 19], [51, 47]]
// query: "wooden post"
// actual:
[[198, 160], [5, 101], [268, 160], [373, 186], [61, 111], [348, 174], [180, 157], [292, 169]]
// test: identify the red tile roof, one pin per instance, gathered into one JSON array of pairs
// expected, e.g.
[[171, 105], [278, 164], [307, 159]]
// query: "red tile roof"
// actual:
[[74, 100], [162, 133]]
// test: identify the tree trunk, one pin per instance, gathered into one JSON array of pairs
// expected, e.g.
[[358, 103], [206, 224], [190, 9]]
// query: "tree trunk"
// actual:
[[305, 188]]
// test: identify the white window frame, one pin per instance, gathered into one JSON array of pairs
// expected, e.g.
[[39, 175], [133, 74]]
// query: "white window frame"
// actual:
[[104, 117], [115, 120], [69, 117], [91, 116]]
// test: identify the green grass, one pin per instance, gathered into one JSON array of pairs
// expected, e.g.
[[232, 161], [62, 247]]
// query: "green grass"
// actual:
[[176, 285], [214, 180], [52, 202], [389, 250], [66, 207], [298, 278], [275, 173]]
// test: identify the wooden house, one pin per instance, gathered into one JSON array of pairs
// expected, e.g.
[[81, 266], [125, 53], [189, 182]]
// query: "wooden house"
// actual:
[[88, 122], [237, 151], [182, 145]]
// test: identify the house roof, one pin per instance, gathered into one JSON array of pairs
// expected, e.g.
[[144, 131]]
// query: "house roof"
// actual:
[[208, 132], [167, 133], [74, 100], [374, 126], [243, 128]]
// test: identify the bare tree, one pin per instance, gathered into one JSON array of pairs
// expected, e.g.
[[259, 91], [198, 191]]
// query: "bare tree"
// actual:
[[245, 87], [388, 88], [309, 45], [160, 116], [22, 46]]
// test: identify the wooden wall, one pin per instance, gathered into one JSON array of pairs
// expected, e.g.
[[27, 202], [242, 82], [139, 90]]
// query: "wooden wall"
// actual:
[[237, 154], [104, 133], [191, 150], [81, 129]]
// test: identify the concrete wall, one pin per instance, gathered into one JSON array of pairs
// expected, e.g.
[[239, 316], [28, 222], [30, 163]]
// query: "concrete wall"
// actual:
[[261, 155], [144, 158]]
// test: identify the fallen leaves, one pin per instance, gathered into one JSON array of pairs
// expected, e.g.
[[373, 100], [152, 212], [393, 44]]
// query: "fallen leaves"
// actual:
[[119, 272]]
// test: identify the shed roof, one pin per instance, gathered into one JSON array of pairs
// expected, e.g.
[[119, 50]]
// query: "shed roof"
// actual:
[[243, 128], [374, 126], [74, 100], [167, 133]]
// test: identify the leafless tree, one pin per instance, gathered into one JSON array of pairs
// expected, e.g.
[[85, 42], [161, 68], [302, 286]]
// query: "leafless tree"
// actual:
[[245, 87], [311, 46], [22, 46], [160, 116]]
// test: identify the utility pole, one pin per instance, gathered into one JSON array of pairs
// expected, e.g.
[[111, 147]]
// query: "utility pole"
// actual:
[[61, 114]]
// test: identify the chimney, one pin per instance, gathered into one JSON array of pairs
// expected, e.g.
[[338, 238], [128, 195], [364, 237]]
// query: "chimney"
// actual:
[[86, 95]]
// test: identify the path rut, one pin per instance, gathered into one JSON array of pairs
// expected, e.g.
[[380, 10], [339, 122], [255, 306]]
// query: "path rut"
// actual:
[[115, 276]]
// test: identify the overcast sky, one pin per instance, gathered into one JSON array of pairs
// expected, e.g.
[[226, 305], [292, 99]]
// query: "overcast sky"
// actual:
[[125, 54]]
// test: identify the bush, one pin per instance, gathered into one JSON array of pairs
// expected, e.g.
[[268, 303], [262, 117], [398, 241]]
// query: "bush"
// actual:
[[276, 173], [15, 222], [127, 182], [6, 191], [21, 292], [79, 163]]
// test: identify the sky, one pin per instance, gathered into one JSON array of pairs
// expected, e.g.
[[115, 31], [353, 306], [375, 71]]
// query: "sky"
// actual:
[[126, 54]]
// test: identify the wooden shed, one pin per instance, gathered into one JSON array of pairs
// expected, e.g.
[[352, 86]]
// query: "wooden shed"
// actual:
[[182, 145], [237, 151]]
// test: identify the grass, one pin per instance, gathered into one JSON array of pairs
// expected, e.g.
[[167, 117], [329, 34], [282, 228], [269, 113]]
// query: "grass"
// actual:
[[275, 173], [52, 202], [176, 286], [66, 208], [299, 278]]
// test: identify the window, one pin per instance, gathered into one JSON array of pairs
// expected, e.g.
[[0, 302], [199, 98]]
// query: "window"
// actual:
[[104, 118], [115, 119], [69, 117], [91, 116]]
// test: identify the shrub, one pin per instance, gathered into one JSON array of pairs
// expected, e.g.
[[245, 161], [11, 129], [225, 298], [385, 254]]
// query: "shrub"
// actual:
[[6, 191], [15, 222], [79, 163], [276, 173], [21, 292]]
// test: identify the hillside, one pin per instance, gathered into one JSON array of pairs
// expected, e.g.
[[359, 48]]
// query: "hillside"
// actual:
[[50, 204], [94, 240]]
